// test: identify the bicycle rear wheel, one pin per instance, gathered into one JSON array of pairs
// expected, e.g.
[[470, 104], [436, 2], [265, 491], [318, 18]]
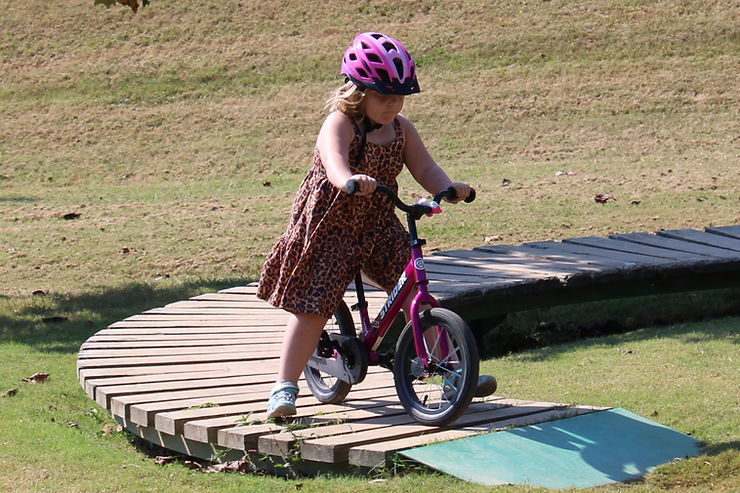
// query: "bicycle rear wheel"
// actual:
[[441, 392], [327, 388]]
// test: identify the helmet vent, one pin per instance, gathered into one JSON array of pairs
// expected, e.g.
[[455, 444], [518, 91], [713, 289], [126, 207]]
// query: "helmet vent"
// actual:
[[399, 66]]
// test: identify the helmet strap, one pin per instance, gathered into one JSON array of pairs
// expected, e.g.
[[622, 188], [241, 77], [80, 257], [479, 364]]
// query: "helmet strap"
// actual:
[[368, 125]]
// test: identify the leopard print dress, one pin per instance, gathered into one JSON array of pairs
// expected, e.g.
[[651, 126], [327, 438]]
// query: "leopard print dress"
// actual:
[[332, 236]]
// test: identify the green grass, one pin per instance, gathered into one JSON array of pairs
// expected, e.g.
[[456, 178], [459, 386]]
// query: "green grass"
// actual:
[[180, 134]]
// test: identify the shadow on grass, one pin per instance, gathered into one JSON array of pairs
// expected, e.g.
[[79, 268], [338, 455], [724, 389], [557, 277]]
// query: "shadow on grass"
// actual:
[[61, 322], [556, 327], [718, 448], [693, 331]]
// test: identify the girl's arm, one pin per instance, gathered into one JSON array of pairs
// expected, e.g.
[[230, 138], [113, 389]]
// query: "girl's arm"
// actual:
[[423, 168], [333, 143]]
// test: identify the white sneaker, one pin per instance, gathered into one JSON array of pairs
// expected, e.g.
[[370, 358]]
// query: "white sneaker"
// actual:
[[282, 400]]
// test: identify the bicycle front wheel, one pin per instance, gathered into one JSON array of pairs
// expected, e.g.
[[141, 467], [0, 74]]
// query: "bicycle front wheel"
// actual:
[[440, 392], [324, 387]]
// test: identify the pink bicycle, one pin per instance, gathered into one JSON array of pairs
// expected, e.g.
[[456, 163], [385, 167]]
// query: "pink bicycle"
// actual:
[[435, 362]]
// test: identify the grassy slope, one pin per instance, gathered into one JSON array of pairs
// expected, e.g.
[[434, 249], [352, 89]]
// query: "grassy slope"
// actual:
[[163, 129]]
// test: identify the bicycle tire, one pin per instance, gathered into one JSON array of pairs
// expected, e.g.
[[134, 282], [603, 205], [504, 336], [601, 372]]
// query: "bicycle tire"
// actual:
[[326, 388], [441, 393]]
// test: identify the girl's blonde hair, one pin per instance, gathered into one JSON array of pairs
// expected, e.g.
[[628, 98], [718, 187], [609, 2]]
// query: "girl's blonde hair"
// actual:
[[347, 99]]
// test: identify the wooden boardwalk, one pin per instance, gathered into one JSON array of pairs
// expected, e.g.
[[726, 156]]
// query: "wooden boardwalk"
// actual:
[[194, 376]]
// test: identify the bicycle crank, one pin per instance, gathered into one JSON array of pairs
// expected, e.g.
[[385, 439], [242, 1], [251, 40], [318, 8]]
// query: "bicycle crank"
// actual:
[[348, 362]]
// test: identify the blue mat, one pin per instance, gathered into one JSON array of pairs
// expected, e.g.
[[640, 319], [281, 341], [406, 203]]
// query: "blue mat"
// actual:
[[582, 451]]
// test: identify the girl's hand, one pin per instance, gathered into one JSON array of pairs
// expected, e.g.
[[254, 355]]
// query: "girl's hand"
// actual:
[[365, 184], [462, 189]]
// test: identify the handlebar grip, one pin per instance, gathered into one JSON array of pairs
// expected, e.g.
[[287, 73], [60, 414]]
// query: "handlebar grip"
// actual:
[[351, 187], [470, 197]]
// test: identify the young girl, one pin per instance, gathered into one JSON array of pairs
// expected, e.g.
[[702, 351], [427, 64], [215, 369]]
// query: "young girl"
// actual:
[[331, 235]]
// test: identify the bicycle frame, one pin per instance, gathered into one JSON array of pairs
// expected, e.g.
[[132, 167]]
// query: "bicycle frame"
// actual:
[[413, 277]]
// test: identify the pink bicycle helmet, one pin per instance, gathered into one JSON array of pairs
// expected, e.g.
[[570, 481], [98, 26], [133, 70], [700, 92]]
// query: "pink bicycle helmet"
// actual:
[[381, 63]]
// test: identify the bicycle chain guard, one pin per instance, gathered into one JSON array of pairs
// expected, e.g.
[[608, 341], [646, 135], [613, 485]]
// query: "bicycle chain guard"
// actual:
[[346, 358]]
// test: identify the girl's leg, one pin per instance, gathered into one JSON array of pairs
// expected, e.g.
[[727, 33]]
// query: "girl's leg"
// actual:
[[299, 341]]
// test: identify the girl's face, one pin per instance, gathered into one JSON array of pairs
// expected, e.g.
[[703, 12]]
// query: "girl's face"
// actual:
[[382, 108]]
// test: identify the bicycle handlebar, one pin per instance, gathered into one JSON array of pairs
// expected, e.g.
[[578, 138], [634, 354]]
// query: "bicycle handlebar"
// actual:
[[417, 209]]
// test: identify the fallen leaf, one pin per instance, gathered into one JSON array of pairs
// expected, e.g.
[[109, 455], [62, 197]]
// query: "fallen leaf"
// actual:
[[36, 377], [10, 393], [190, 464], [72, 424], [71, 215], [109, 428], [602, 198], [625, 351]]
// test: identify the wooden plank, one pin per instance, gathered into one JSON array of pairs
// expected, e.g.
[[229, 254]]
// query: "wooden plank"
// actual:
[[233, 356], [143, 407], [460, 270], [172, 423], [282, 443], [551, 251], [266, 317], [312, 415], [182, 367], [731, 231], [165, 327], [144, 413], [246, 437], [517, 265], [671, 244], [335, 449], [630, 260], [178, 443], [248, 289], [703, 238], [627, 247], [195, 311], [253, 304], [92, 383], [113, 341], [104, 394], [254, 351], [376, 454]]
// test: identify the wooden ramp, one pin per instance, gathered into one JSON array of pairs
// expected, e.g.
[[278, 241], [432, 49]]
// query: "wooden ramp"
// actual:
[[194, 376]]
